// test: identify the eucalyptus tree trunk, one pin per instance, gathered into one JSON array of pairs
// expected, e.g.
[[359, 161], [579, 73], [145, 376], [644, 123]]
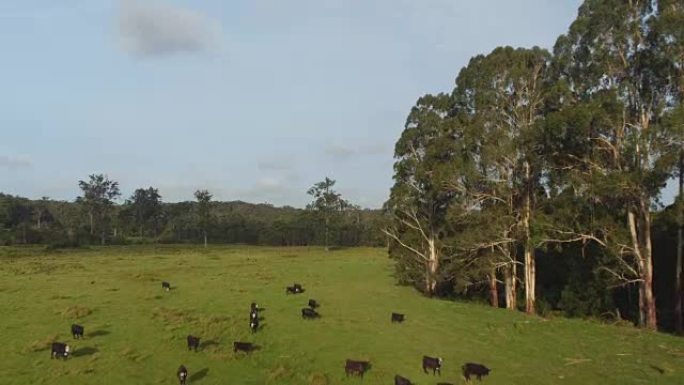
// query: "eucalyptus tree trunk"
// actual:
[[639, 222], [510, 274], [679, 327], [432, 267], [493, 290], [530, 268]]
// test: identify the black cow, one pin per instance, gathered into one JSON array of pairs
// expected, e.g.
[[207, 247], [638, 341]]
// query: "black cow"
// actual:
[[399, 380], [193, 342], [166, 286], [356, 367], [182, 374], [254, 307], [253, 315], [254, 324], [397, 317], [477, 370], [309, 313], [243, 346], [60, 350], [294, 289], [434, 363], [77, 331], [313, 304]]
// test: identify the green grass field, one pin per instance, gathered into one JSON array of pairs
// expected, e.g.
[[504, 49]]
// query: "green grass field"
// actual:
[[135, 332]]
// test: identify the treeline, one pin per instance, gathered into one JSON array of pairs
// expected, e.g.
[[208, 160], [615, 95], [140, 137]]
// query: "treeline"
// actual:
[[536, 182], [94, 218]]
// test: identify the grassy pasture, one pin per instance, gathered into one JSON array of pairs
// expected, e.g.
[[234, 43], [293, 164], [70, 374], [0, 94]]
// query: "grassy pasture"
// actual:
[[135, 332]]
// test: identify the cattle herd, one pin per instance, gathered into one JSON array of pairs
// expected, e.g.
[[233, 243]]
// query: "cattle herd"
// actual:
[[351, 367]]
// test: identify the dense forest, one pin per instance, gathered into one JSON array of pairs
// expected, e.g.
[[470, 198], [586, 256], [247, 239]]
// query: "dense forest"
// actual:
[[535, 183], [95, 218]]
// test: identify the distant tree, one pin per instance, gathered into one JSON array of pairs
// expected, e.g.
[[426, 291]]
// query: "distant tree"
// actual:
[[418, 201], [327, 203], [19, 214], [203, 211], [99, 192], [147, 207]]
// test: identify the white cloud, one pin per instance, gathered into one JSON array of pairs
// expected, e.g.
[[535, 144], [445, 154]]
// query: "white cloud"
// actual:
[[276, 164], [344, 151], [153, 28], [14, 163]]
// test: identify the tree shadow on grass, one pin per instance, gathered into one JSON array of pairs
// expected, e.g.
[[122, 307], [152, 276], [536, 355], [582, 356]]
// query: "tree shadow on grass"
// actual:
[[198, 375], [82, 352]]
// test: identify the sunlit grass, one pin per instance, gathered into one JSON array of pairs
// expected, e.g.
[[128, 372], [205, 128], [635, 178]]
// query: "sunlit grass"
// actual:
[[135, 332]]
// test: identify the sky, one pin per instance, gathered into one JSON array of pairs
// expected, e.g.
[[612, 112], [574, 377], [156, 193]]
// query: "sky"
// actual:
[[254, 100]]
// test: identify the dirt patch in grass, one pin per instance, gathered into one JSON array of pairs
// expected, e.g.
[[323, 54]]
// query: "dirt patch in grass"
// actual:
[[145, 276], [318, 379], [76, 312], [172, 316], [40, 345], [280, 372], [132, 354], [32, 268]]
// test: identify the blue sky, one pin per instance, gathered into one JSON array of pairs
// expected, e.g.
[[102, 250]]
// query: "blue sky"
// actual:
[[253, 100]]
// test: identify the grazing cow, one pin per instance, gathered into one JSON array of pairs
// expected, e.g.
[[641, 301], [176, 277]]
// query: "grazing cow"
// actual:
[[254, 307], [313, 304], [397, 317], [166, 286], [182, 374], [253, 315], [294, 289], [243, 346], [59, 350], [399, 380], [309, 313], [77, 331], [434, 363], [193, 342], [254, 324], [356, 367], [477, 370]]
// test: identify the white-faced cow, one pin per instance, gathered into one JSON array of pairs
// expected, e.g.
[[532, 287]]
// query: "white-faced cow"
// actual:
[[182, 374], [59, 350], [434, 363]]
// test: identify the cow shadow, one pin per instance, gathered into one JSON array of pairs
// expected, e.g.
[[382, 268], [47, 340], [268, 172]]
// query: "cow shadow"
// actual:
[[82, 352], [208, 344], [198, 375], [99, 333]]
